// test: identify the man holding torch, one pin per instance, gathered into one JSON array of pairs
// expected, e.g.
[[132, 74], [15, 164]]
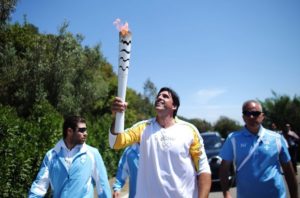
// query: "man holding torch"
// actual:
[[173, 161]]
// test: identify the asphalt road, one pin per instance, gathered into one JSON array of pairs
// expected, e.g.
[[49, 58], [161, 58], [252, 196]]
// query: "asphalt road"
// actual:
[[216, 193]]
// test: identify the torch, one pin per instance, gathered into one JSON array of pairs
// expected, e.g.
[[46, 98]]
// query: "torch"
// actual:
[[124, 58]]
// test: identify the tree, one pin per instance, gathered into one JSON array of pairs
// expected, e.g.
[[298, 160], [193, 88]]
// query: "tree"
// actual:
[[201, 125], [18, 67], [225, 125], [23, 144], [36, 66], [6, 8], [43, 78], [281, 109], [150, 91]]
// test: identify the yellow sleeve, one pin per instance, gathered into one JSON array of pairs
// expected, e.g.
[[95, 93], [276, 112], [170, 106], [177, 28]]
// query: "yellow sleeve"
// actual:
[[195, 150], [130, 136]]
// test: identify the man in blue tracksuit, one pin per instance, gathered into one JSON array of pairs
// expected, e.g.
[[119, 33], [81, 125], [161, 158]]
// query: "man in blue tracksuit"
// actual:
[[128, 166], [72, 167]]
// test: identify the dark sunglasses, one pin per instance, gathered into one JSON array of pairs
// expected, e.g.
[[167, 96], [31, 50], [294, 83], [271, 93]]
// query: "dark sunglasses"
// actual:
[[82, 130], [251, 113]]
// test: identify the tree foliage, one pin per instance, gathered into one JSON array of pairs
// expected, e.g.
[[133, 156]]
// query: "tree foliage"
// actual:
[[45, 77], [150, 91], [23, 144], [6, 8], [55, 68], [225, 125], [201, 125], [282, 109]]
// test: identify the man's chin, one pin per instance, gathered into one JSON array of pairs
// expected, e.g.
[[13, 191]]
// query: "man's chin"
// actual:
[[82, 141], [159, 107]]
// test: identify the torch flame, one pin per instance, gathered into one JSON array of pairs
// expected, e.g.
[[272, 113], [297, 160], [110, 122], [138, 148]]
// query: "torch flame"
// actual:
[[124, 29]]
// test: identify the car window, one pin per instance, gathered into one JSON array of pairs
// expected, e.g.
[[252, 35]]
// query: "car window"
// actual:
[[212, 141]]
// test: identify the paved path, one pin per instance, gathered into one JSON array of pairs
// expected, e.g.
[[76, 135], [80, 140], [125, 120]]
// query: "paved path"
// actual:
[[217, 193]]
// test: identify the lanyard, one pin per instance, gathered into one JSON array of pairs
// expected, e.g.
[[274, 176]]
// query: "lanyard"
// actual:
[[252, 150]]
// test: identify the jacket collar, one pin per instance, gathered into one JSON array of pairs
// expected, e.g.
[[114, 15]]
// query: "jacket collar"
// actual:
[[61, 145]]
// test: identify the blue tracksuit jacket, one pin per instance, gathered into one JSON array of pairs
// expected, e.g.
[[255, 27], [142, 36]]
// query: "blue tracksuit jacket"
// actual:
[[86, 171]]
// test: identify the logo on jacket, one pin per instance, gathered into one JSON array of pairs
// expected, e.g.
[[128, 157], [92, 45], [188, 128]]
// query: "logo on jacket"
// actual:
[[83, 159]]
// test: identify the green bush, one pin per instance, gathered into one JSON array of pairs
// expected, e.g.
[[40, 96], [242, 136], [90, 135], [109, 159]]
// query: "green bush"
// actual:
[[23, 144]]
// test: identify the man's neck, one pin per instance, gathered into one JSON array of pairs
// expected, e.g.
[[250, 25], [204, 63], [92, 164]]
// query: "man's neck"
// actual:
[[165, 122], [68, 144], [253, 129]]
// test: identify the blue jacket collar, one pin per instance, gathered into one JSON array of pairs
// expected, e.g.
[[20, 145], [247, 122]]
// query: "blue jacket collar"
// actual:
[[61, 144]]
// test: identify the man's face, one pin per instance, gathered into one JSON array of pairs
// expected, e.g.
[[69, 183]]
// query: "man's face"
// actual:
[[252, 114], [164, 101], [80, 134]]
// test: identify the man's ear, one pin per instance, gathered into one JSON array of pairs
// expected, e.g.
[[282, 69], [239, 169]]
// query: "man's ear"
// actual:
[[70, 131], [263, 116], [174, 107], [244, 118]]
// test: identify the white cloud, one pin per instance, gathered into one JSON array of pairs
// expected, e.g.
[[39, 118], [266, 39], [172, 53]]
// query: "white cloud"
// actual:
[[204, 96]]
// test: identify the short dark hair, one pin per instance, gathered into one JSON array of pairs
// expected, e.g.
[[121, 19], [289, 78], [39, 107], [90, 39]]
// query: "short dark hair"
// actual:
[[72, 122], [175, 97]]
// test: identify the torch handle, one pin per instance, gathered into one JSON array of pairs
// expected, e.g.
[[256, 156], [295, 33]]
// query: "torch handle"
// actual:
[[124, 57], [119, 125], [120, 117]]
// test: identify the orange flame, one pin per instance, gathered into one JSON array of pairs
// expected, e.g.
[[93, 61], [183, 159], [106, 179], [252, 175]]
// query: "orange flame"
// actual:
[[124, 29]]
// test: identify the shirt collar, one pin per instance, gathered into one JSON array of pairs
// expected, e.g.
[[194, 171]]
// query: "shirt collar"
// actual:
[[61, 145], [154, 120], [246, 132]]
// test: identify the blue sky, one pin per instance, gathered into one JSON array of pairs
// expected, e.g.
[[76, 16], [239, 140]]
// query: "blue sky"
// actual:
[[215, 53]]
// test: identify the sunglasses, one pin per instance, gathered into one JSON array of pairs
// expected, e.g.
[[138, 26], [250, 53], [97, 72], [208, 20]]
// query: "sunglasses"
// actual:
[[82, 130], [251, 113]]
